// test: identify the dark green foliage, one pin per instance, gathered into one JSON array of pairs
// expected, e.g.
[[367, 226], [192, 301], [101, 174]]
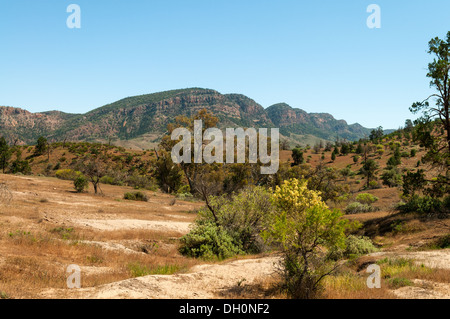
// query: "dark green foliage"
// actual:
[[392, 177], [359, 149], [5, 154], [209, 241], [345, 149], [333, 156], [413, 182], [167, 174], [19, 165], [369, 170], [137, 196], [376, 134], [41, 146], [395, 160], [432, 129], [230, 226], [426, 205], [443, 242], [80, 183], [297, 156]]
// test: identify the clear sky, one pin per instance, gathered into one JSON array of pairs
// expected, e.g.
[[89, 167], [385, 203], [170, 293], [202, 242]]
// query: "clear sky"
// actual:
[[316, 55]]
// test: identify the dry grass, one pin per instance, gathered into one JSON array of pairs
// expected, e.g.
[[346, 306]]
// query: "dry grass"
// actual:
[[38, 241]]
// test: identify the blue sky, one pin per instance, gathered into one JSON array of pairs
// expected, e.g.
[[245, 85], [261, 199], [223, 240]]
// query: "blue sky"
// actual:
[[316, 55]]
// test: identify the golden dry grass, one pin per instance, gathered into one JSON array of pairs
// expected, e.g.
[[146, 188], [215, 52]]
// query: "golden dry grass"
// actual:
[[38, 242]]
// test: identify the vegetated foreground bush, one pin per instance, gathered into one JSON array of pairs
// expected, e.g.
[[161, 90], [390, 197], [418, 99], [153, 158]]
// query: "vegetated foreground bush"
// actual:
[[81, 183], [232, 227], [426, 205], [355, 246], [308, 231], [210, 241], [293, 219]]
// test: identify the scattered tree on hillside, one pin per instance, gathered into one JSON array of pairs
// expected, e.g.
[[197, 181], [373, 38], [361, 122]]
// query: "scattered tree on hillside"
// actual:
[[433, 127], [93, 168], [5, 154], [297, 156], [369, 170], [41, 146], [376, 134]]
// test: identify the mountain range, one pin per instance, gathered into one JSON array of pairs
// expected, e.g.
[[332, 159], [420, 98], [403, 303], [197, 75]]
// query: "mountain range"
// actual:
[[140, 121]]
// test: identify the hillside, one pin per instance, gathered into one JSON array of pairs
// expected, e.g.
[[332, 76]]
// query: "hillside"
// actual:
[[138, 122], [129, 249], [322, 125]]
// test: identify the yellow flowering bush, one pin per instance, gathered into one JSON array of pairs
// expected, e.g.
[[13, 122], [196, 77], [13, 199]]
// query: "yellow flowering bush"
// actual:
[[307, 231], [294, 195]]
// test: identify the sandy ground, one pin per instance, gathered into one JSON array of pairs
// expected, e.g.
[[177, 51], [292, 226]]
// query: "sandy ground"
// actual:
[[433, 259], [209, 281], [118, 224], [202, 282], [54, 202]]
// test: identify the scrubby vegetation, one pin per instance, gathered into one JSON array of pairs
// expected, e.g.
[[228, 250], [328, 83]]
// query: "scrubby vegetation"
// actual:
[[138, 196], [296, 212]]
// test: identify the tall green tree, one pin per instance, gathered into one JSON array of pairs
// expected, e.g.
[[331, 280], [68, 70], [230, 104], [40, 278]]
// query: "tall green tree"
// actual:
[[376, 133], [369, 170], [41, 146], [297, 156], [5, 154], [433, 127]]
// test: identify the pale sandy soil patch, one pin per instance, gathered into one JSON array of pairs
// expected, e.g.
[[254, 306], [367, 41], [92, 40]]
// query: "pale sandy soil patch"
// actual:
[[202, 282], [424, 289], [119, 224], [432, 259]]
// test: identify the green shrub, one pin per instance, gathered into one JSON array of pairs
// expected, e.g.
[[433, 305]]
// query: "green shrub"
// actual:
[[20, 167], [442, 243], [425, 205], [374, 185], [209, 241], [142, 182], [404, 154], [108, 180], [238, 222], [357, 246], [138, 196], [184, 189], [392, 178], [356, 207], [185, 196], [354, 247], [366, 198], [81, 183]]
